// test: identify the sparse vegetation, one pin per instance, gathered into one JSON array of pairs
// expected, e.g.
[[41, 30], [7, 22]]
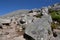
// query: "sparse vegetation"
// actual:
[[53, 25], [55, 14]]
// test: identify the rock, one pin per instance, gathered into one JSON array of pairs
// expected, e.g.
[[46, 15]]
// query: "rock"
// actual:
[[29, 28], [19, 38], [39, 28]]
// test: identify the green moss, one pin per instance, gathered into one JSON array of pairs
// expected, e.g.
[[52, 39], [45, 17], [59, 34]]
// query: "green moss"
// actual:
[[55, 14]]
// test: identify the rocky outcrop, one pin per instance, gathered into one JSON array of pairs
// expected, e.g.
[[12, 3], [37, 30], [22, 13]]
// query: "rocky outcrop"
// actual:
[[27, 25], [38, 29]]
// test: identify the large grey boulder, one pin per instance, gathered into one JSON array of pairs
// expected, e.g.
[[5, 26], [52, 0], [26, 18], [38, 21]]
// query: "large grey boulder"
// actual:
[[38, 29]]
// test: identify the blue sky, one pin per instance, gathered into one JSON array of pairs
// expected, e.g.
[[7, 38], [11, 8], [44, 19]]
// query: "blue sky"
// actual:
[[7, 6]]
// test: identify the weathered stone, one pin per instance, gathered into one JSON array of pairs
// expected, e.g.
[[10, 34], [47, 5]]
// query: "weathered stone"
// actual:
[[29, 28], [38, 29]]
